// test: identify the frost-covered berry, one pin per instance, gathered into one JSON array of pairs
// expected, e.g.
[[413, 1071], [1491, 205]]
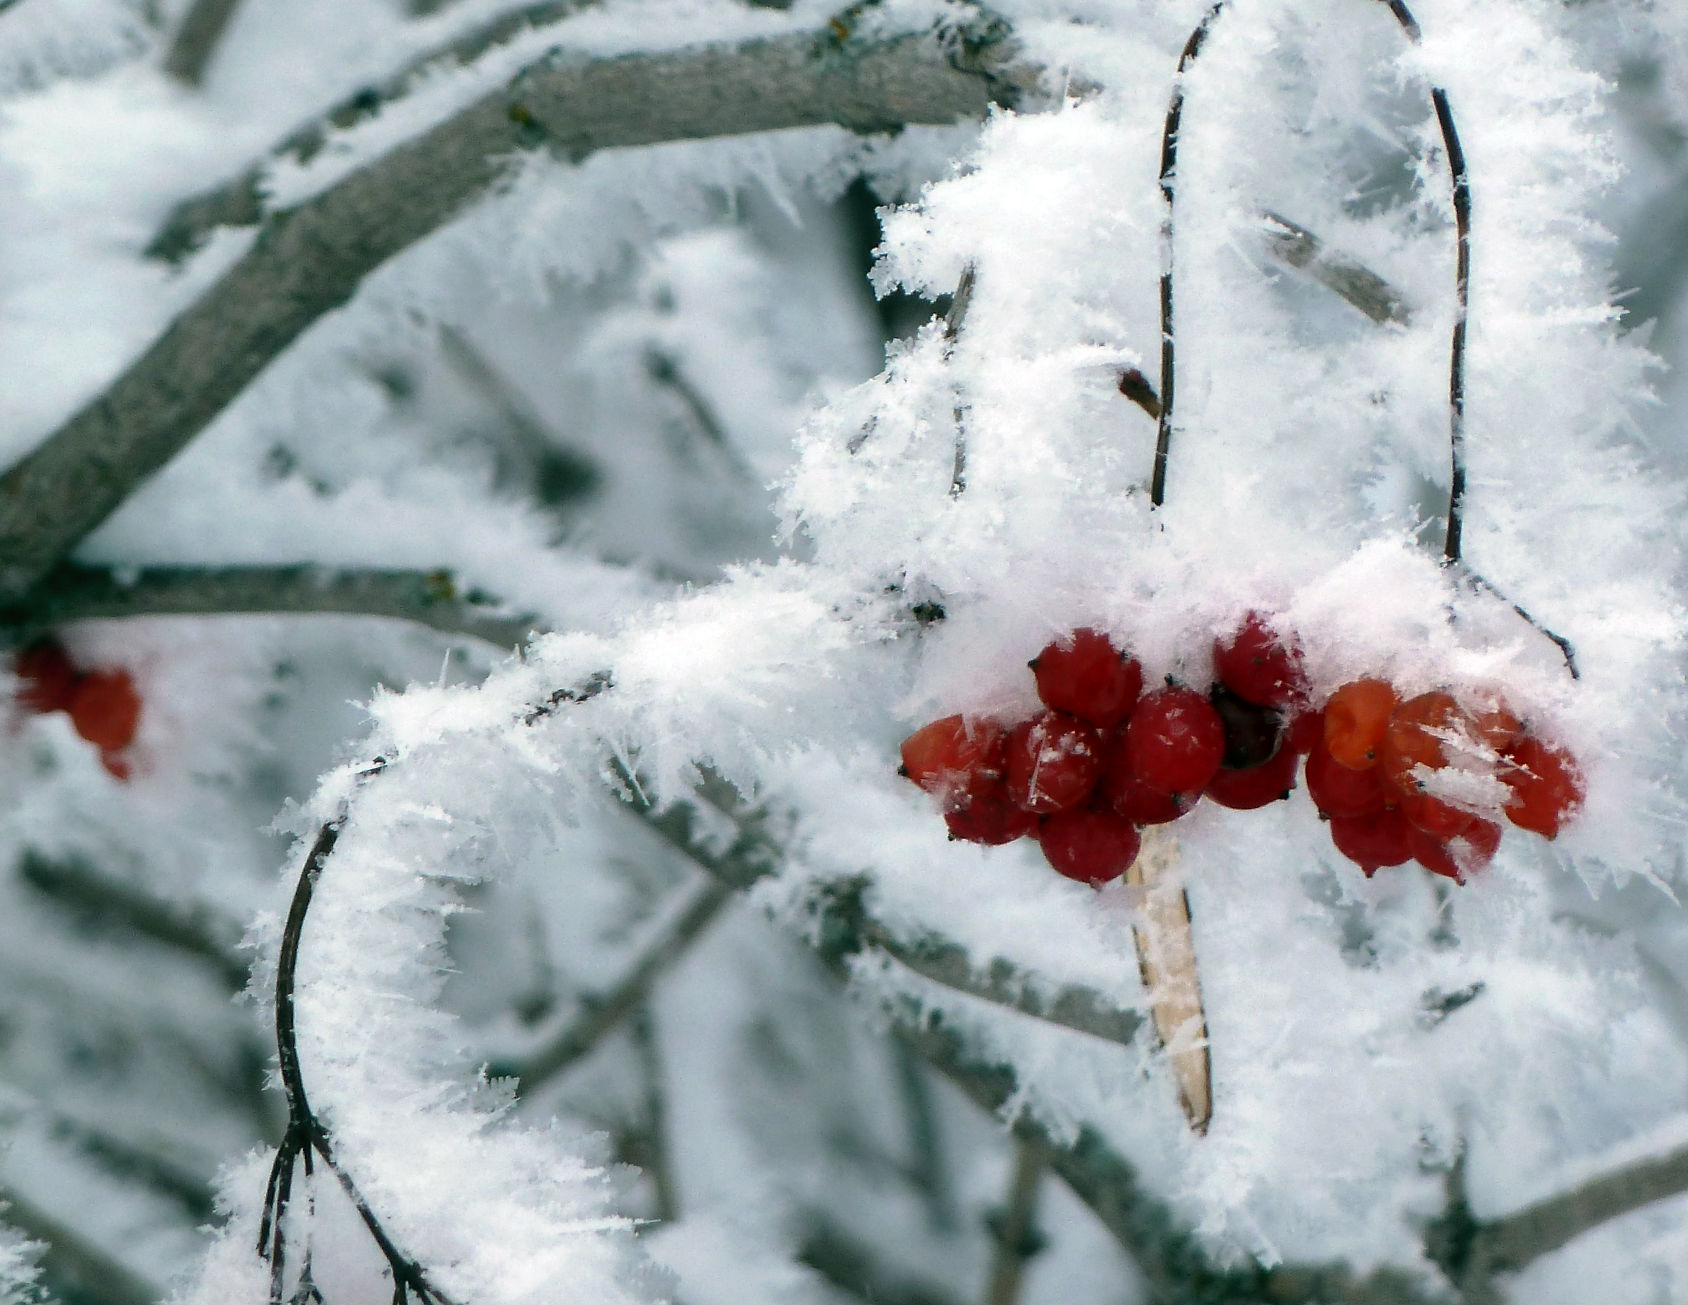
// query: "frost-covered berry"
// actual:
[[982, 813], [945, 756], [1434, 816], [1175, 740], [1259, 666], [1086, 676], [1458, 857], [1374, 841], [1423, 731], [106, 709], [46, 679], [1255, 786], [1128, 797], [1089, 844], [1341, 791], [1356, 719], [1547, 787], [1054, 761]]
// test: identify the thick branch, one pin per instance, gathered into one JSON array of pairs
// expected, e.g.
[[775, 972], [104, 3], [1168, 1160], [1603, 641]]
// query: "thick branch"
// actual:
[[196, 39], [309, 260], [240, 202], [431, 598]]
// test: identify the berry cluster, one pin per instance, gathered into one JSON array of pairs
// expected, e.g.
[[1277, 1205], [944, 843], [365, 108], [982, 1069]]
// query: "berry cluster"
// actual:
[[1424, 779], [103, 704]]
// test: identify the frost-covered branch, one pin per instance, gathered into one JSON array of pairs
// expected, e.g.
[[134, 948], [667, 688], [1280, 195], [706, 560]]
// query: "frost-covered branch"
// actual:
[[240, 202], [432, 598], [73, 1261], [1353, 282], [1014, 1227], [601, 1013], [190, 930], [196, 39], [310, 259]]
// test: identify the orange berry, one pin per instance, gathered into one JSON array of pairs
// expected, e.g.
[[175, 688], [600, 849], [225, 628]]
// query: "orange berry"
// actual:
[[1416, 736], [1355, 720]]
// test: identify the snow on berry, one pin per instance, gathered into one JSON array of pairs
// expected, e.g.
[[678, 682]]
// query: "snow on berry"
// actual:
[[1054, 761]]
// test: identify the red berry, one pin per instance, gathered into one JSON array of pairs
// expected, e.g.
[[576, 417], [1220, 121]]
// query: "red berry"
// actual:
[[1054, 761], [1434, 816], [1256, 786], [1304, 732], [106, 709], [1174, 741], [1356, 718], [1086, 676], [1547, 788], [1089, 844], [1420, 733], [947, 755], [1492, 721], [1133, 800], [1372, 841], [1338, 790], [982, 813], [46, 679], [1259, 666], [1459, 857]]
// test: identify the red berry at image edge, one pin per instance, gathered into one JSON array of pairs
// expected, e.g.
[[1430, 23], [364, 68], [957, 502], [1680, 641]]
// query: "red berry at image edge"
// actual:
[[1547, 788], [1456, 858], [1054, 761], [1089, 844], [1257, 786], [1373, 841], [106, 709], [46, 679], [949, 754], [1174, 741], [1086, 676], [1259, 666]]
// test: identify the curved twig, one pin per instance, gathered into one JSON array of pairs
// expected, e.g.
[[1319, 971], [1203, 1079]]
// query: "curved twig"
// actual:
[[309, 260]]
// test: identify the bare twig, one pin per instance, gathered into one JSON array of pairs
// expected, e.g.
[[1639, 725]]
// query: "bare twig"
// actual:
[[850, 1263], [927, 1167], [310, 259], [1014, 1227], [196, 39], [603, 1012], [654, 1158], [431, 598]]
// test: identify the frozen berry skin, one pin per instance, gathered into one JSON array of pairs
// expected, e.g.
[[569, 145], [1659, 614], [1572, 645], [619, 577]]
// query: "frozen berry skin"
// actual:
[[1434, 816], [1259, 666], [1086, 676], [1423, 731], [982, 813], [1174, 741], [1493, 723], [1135, 801], [1457, 858], [1547, 787], [1356, 719], [46, 679], [1089, 844], [1373, 841], [945, 756], [1252, 733], [1340, 791], [106, 709], [1054, 761], [1257, 786]]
